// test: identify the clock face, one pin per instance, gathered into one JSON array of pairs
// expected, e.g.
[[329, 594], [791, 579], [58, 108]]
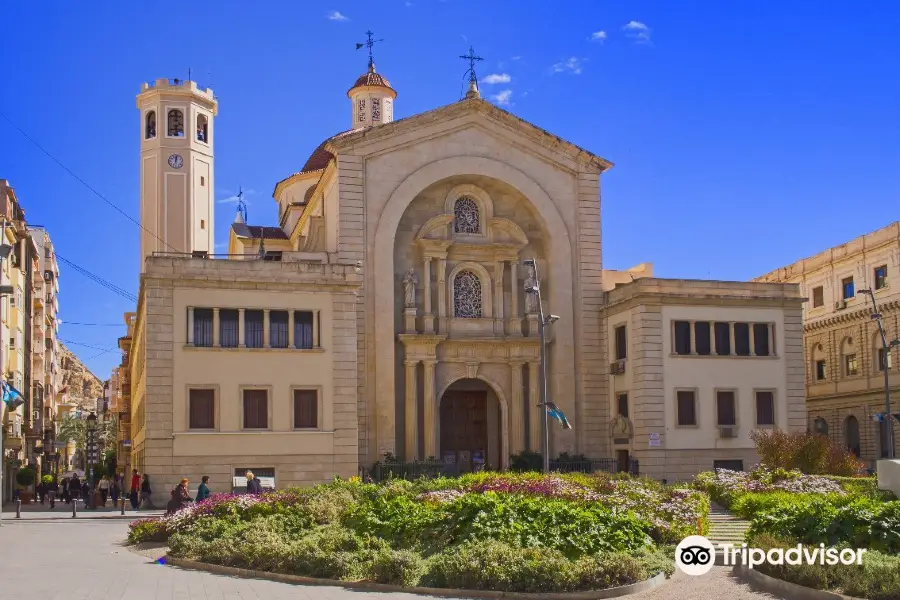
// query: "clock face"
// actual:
[[175, 161]]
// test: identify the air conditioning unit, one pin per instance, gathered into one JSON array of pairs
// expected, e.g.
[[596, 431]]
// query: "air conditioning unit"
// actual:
[[840, 305], [617, 367], [728, 432]]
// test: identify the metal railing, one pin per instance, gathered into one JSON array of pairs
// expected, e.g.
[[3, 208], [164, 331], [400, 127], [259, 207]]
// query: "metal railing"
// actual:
[[594, 465]]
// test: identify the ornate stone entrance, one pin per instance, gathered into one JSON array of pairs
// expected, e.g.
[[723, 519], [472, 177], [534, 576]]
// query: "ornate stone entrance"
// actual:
[[470, 426]]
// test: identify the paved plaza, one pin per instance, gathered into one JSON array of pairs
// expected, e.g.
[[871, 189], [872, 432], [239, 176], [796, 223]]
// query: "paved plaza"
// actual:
[[84, 559]]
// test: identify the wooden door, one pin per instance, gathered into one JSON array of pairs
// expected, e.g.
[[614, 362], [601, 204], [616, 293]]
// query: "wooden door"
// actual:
[[464, 421]]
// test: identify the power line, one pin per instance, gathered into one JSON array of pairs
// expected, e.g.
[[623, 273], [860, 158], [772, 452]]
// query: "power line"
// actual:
[[96, 278], [82, 181], [92, 324], [71, 343]]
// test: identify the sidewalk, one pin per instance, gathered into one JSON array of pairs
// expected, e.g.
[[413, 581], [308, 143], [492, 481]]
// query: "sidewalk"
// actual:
[[36, 511]]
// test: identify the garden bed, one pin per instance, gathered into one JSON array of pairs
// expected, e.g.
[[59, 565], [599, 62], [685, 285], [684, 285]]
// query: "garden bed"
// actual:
[[505, 532]]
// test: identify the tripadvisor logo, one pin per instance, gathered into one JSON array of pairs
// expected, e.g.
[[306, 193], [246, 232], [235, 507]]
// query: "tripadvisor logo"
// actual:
[[695, 555]]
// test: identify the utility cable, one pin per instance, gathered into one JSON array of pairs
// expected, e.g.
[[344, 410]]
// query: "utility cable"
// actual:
[[70, 342], [92, 324], [96, 278]]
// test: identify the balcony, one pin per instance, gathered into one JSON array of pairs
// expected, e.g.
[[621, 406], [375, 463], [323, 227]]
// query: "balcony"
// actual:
[[38, 301]]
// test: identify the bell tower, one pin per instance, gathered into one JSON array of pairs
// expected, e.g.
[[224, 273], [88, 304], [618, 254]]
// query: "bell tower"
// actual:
[[177, 167], [371, 97]]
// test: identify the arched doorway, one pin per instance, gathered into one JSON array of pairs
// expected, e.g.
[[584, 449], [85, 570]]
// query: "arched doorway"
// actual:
[[470, 430], [851, 435]]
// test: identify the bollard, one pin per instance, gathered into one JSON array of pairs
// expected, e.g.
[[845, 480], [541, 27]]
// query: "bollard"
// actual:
[[123, 505], [18, 508], [74, 507]]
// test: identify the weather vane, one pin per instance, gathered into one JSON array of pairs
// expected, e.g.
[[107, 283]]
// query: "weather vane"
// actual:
[[472, 60], [241, 205], [368, 44]]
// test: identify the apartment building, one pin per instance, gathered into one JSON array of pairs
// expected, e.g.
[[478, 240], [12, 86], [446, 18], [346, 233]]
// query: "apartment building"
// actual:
[[845, 360]]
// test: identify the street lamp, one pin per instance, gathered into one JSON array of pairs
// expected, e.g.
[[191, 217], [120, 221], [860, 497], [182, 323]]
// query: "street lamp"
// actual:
[[11, 401], [886, 349], [91, 456], [535, 288]]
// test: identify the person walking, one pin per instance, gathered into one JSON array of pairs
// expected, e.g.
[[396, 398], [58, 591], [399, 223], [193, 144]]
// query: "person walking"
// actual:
[[52, 490], [114, 490], [103, 486], [253, 485], [42, 490], [203, 490], [134, 490], [180, 496], [65, 490], [75, 488], [146, 502]]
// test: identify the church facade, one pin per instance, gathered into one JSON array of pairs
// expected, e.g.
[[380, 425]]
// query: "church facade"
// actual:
[[387, 313]]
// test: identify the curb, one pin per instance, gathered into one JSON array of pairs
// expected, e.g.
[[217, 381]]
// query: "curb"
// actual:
[[782, 588], [615, 592]]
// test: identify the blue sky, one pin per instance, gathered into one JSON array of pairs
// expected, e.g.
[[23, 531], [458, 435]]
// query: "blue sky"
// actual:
[[746, 135]]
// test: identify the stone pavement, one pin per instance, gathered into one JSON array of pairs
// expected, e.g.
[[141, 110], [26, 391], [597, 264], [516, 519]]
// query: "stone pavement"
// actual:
[[78, 559], [37, 511]]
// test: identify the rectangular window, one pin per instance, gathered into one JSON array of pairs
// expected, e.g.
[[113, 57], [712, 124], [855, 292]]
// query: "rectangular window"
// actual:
[[728, 465], [278, 329], [306, 409], [847, 286], [723, 339], [765, 408], [203, 327], [303, 329], [881, 277], [881, 359], [253, 328], [622, 405], [256, 409], [229, 322], [821, 372], [687, 409], [761, 339], [818, 297], [701, 337], [725, 409], [682, 337], [851, 365], [202, 409], [742, 339], [621, 343], [202, 181]]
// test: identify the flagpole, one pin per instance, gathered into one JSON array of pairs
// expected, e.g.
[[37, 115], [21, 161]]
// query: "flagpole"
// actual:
[[3, 342]]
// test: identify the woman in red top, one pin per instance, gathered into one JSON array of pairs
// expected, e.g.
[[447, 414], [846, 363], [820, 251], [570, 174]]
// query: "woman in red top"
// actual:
[[135, 487]]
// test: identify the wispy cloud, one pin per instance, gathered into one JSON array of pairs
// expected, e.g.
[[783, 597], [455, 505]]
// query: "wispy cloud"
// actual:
[[231, 198], [515, 58], [336, 15], [637, 31], [408, 4], [598, 36], [502, 97], [220, 246], [497, 78], [571, 65]]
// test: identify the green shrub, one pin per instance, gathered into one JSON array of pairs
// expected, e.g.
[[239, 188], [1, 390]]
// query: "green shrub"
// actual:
[[147, 530], [808, 452], [864, 486], [25, 476], [397, 567], [526, 461]]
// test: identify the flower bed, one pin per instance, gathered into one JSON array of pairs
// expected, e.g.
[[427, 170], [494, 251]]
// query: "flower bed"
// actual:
[[526, 533]]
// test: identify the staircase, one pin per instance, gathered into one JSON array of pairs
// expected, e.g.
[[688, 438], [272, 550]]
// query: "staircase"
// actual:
[[725, 528]]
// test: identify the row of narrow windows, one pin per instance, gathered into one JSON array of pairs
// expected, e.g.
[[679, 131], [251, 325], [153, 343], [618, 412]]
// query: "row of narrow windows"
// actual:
[[851, 436], [175, 125], [850, 364], [848, 287]]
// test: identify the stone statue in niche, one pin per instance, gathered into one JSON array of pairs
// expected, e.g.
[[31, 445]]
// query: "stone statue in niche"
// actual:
[[410, 281], [531, 299]]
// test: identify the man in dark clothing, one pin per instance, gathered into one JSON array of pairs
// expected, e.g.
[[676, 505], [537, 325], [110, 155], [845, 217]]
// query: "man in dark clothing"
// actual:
[[135, 488], [65, 490], [253, 485], [52, 490], [75, 487]]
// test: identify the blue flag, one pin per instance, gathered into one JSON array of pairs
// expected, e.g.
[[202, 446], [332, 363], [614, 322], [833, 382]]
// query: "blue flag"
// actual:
[[554, 411], [11, 396]]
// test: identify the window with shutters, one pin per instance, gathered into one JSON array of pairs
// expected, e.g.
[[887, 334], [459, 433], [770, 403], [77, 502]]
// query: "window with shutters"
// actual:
[[278, 329], [229, 323], [306, 409], [202, 408], [253, 328], [742, 339], [818, 296], [622, 404], [682, 337], [203, 327], [726, 411], [761, 339], [686, 407], [723, 338], [765, 408], [303, 329], [621, 343], [256, 409], [701, 338]]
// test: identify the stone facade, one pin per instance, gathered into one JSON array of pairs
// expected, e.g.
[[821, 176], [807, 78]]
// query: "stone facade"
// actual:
[[844, 379]]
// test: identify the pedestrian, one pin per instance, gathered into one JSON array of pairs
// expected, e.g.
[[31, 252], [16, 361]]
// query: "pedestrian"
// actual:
[[52, 490], [253, 485], [135, 488], [65, 490], [180, 496], [114, 489], [203, 490], [146, 502], [104, 489], [42, 490], [75, 487], [86, 492]]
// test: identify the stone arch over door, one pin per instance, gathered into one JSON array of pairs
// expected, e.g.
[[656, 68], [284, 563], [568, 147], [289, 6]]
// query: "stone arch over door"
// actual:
[[380, 267], [504, 411]]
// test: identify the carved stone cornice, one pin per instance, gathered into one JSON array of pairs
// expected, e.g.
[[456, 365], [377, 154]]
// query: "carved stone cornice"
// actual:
[[847, 317]]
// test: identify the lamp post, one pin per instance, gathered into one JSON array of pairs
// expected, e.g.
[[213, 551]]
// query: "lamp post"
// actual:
[[535, 288], [886, 349], [91, 457], [5, 290]]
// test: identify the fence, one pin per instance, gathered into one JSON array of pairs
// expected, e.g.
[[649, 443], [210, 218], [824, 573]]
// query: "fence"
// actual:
[[382, 471], [593, 465]]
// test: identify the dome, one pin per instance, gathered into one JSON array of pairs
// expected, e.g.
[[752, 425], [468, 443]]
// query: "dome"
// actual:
[[371, 78]]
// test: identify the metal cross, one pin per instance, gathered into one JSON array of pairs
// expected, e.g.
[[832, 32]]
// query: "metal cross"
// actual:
[[472, 60], [242, 206], [368, 44]]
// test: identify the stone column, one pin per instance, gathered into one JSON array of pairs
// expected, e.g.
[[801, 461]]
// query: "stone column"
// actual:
[[215, 327], [190, 331], [412, 412], [712, 338], [515, 324], [430, 411], [752, 339], [498, 297], [316, 321], [731, 339], [290, 329], [428, 317], [442, 294], [693, 336], [266, 328], [241, 341], [516, 410], [771, 329], [534, 411]]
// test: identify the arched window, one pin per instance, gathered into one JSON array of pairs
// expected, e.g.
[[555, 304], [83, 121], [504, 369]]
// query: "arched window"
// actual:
[[820, 426], [819, 364], [202, 128], [467, 295], [465, 216], [851, 435], [150, 125], [176, 123], [849, 359]]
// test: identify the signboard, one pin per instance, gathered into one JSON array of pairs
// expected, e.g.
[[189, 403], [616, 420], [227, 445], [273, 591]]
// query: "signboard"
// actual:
[[654, 440]]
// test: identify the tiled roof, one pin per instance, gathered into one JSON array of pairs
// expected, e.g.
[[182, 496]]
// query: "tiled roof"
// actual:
[[257, 232], [320, 157], [372, 78]]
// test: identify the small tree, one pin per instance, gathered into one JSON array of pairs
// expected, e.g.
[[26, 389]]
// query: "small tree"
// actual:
[[810, 453]]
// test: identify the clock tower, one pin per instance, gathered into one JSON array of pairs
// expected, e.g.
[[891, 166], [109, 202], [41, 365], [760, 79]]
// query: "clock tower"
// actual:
[[177, 167]]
